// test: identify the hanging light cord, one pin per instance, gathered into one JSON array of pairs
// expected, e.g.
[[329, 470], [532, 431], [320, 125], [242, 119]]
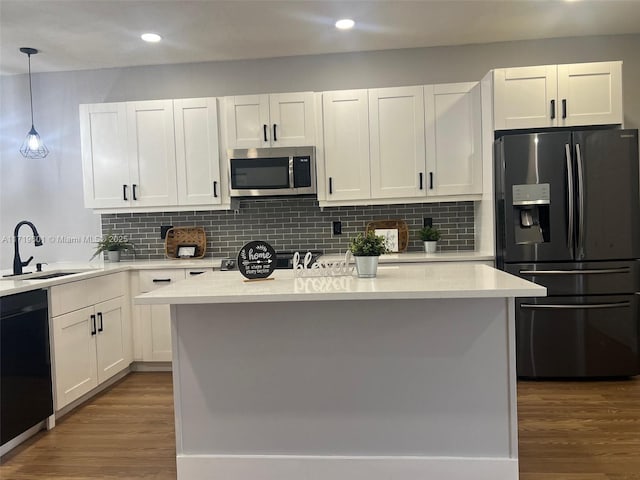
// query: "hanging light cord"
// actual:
[[30, 90]]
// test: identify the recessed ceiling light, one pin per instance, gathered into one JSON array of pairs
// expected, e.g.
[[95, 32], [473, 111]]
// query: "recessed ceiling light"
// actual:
[[345, 24], [151, 37]]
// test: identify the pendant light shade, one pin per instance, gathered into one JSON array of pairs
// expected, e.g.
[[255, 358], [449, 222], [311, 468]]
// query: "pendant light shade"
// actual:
[[33, 146]]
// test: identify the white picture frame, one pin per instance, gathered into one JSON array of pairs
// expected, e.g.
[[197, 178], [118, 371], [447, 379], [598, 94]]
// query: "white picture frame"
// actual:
[[391, 237]]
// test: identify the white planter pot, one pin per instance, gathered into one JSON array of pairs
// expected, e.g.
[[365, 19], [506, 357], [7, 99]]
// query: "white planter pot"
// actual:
[[430, 247], [366, 266], [113, 255]]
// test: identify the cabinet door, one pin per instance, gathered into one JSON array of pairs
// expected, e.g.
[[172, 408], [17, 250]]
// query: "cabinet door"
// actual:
[[292, 119], [74, 347], [525, 97], [346, 145], [152, 156], [397, 142], [197, 154], [248, 121], [111, 338], [105, 169], [593, 93], [454, 139], [156, 319], [156, 324]]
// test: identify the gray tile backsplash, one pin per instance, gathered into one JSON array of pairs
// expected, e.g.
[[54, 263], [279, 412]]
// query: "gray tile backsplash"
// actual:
[[292, 223]]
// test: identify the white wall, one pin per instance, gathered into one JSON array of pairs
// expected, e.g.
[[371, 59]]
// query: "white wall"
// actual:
[[49, 192]]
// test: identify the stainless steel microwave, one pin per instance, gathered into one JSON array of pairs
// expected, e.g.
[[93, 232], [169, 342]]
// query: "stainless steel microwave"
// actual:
[[272, 171]]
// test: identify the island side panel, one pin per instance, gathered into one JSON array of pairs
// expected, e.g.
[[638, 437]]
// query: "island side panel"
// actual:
[[365, 380]]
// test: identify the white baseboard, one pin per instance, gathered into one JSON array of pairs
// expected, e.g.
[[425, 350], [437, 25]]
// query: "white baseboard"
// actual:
[[151, 367], [87, 396], [298, 467]]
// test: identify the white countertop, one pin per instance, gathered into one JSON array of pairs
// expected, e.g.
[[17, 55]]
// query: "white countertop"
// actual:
[[421, 281], [9, 286], [422, 257]]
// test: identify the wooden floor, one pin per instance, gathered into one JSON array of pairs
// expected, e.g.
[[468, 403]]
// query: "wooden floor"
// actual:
[[568, 431]]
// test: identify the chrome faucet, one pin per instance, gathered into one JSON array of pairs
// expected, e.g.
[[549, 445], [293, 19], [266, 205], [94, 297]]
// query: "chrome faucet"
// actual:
[[17, 261]]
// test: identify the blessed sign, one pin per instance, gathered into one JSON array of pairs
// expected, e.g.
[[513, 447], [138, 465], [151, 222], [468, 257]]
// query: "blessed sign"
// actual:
[[257, 260]]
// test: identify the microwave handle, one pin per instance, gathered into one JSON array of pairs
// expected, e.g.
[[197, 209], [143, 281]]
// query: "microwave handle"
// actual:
[[291, 175]]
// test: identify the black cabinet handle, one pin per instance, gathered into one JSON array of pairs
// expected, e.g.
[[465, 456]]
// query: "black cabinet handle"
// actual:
[[124, 193], [430, 180], [196, 273], [564, 108], [134, 191], [159, 280], [421, 181], [330, 186], [93, 324], [553, 109], [215, 189], [100, 327], [264, 131], [275, 135]]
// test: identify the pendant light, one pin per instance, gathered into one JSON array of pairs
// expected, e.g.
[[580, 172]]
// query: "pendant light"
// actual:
[[33, 147]]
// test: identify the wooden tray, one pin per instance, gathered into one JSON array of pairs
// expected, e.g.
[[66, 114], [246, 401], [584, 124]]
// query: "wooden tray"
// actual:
[[185, 236], [400, 225]]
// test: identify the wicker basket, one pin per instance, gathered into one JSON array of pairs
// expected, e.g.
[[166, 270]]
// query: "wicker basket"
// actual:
[[180, 236]]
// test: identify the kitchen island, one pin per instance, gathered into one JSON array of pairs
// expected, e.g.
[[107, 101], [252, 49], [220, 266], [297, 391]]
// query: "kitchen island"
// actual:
[[410, 375]]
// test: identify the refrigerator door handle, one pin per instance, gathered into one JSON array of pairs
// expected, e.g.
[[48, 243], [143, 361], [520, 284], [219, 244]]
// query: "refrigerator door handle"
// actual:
[[570, 223], [575, 272], [577, 307], [580, 202]]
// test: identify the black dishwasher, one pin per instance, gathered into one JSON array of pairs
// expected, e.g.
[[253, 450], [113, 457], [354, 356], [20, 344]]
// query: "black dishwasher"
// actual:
[[25, 363]]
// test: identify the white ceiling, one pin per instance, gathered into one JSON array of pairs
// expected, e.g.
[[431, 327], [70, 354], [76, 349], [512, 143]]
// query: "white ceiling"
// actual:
[[89, 34]]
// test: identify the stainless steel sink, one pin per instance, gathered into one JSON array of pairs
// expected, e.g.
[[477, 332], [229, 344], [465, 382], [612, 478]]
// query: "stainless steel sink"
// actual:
[[40, 275], [51, 275]]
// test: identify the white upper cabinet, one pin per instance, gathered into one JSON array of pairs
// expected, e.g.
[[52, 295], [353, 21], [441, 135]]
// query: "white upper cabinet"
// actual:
[[346, 145], [247, 121], [454, 139], [593, 93], [397, 142], [275, 120], [105, 168], [292, 119], [525, 97], [152, 155], [558, 95], [197, 153], [408, 144]]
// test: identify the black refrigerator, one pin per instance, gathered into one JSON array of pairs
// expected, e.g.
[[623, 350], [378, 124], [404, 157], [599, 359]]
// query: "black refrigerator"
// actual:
[[568, 218]]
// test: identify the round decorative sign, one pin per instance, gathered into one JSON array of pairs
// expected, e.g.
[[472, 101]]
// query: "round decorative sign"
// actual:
[[257, 260]]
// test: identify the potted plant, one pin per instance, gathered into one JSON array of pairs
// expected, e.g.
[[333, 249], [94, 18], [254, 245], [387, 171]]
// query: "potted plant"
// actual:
[[430, 237], [113, 245], [366, 248]]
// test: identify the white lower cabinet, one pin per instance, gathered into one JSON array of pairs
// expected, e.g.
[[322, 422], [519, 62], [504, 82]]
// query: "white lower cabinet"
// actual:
[[155, 320], [91, 334]]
